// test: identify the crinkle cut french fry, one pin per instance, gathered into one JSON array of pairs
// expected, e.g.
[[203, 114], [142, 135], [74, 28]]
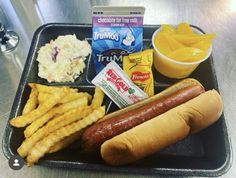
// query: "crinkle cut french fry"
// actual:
[[34, 126], [72, 96], [97, 98], [22, 121], [43, 96], [52, 89], [89, 96], [32, 102], [65, 142], [44, 145], [69, 97], [55, 123]]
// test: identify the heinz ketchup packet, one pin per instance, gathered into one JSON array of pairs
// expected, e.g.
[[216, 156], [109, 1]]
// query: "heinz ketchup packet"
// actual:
[[117, 86], [117, 31]]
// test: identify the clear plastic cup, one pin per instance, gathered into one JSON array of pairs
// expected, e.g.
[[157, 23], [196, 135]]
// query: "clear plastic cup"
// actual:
[[172, 68]]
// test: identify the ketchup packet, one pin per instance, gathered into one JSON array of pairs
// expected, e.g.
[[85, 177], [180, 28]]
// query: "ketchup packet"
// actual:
[[117, 31], [117, 86], [138, 66]]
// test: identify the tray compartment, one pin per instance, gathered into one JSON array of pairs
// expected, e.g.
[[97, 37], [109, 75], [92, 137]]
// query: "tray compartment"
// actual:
[[45, 35], [17, 134]]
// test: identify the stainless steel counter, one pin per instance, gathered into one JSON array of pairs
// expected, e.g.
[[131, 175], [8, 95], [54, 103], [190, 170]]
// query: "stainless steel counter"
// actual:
[[24, 16]]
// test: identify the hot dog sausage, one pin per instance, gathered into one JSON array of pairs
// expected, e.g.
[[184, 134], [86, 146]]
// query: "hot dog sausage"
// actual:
[[95, 135]]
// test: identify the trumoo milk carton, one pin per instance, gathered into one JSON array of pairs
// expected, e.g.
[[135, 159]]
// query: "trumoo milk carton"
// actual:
[[117, 31]]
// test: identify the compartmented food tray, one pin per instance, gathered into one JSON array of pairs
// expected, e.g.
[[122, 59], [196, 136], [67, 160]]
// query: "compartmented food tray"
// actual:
[[207, 153]]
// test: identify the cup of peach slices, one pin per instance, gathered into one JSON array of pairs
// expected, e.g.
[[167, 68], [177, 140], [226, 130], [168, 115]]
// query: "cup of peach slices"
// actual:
[[179, 50]]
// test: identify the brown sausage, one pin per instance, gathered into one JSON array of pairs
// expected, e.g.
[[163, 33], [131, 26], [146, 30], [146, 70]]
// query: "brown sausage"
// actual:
[[94, 136]]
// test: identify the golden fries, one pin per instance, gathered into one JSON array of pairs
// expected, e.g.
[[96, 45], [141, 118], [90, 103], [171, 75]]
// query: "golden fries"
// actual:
[[52, 89], [68, 98], [73, 96], [65, 119], [42, 96], [44, 145], [22, 121], [32, 102], [97, 98], [57, 116], [65, 142], [34, 126]]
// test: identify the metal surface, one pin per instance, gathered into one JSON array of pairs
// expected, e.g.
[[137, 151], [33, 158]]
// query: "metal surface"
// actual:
[[24, 16], [8, 40]]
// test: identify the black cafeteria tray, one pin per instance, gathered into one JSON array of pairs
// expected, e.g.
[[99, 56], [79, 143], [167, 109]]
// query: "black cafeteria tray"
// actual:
[[207, 153]]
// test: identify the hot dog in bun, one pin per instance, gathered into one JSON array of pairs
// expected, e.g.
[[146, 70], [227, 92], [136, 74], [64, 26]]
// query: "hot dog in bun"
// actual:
[[163, 130], [154, 123]]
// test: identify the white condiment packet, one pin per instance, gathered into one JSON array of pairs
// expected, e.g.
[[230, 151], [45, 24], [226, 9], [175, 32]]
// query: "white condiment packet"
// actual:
[[117, 86]]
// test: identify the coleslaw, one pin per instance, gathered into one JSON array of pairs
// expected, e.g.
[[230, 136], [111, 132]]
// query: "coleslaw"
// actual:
[[63, 59]]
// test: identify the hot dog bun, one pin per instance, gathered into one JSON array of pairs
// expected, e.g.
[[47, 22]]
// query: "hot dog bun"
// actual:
[[96, 135], [163, 130]]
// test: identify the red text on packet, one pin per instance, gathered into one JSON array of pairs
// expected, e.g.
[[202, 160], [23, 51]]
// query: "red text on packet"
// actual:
[[119, 83], [140, 76]]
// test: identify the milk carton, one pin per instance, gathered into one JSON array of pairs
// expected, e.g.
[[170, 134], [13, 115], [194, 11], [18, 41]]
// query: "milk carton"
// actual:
[[117, 31]]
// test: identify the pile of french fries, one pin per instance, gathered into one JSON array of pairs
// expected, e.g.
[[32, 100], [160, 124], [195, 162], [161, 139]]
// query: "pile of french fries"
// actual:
[[54, 118]]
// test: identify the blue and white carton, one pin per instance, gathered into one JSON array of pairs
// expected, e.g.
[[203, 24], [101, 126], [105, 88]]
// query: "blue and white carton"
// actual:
[[117, 31]]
